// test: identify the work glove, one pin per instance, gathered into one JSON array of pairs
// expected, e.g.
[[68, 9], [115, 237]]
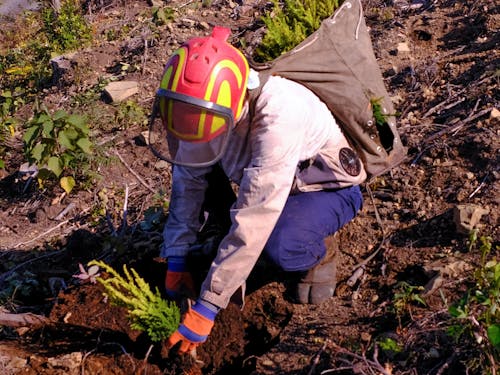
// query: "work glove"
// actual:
[[178, 280], [195, 327]]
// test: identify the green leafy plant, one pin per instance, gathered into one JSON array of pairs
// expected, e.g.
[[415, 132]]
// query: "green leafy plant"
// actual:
[[57, 144], [153, 216], [148, 311], [390, 347], [66, 29], [163, 15], [405, 296], [290, 24], [477, 314], [129, 113], [9, 103]]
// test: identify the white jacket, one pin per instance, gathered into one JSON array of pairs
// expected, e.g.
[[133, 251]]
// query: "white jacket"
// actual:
[[290, 145]]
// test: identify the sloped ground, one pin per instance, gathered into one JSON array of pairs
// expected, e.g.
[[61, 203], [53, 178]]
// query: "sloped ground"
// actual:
[[440, 61]]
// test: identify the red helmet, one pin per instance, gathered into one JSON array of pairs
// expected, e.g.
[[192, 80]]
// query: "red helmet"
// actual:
[[203, 88]]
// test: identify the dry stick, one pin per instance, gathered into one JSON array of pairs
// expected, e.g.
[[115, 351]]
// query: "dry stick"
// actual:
[[133, 172], [451, 128], [371, 364], [442, 104], [65, 211], [145, 362], [82, 368], [125, 211], [359, 268], [476, 190], [48, 231], [458, 125], [145, 55], [42, 234], [445, 366], [185, 4], [317, 356]]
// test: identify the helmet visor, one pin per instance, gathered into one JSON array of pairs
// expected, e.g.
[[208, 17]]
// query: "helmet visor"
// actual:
[[188, 131]]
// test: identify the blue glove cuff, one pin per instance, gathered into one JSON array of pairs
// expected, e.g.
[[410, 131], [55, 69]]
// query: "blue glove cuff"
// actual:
[[176, 264], [206, 309], [190, 335]]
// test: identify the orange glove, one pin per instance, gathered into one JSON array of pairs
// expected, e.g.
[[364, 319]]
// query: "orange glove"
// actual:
[[195, 327], [178, 280]]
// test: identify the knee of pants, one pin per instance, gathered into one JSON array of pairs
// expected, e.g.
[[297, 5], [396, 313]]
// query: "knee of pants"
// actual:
[[292, 253]]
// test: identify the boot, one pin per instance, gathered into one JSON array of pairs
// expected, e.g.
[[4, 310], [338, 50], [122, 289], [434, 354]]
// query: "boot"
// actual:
[[318, 284]]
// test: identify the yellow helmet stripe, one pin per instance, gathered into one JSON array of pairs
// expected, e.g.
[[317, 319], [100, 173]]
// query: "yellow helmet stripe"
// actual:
[[223, 97], [164, 84]]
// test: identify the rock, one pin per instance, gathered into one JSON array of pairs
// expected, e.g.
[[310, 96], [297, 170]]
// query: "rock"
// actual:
[[495, 113], [187, 22], [403, 47], [162, 165], [63, 70], [204, 25], [121, 90], [467, 217]]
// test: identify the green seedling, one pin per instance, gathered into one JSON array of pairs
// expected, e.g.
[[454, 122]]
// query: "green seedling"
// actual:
[[405, 296], [147, 311]]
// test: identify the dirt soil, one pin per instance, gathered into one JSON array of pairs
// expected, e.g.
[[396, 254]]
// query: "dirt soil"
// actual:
[[440, 61]]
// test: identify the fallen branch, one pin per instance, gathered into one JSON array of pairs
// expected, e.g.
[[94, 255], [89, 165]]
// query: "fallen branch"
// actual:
[[457, 126], [370, 364], [68, 208], [134, 172], [42, 234], [23, 320], [47, 231], [443, 104]]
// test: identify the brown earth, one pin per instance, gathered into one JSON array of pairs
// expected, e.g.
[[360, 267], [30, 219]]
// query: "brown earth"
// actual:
[[440, 60]]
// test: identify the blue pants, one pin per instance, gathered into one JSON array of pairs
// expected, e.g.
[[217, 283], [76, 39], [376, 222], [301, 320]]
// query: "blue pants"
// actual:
[[297, 241]]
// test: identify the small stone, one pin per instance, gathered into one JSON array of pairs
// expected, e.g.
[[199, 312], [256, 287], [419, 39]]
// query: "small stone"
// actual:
[[188, 22], [121, 90], [467, 217], [495, 113], [403, 47], [204, 25], [469, 175], [161, 165], [434, 353]]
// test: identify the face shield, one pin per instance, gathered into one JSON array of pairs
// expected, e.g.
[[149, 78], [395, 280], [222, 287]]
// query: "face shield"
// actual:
[[188, 131]]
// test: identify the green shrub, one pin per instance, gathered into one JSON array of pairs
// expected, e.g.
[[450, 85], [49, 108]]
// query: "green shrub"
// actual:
[[148, 311], [290, 24], [57, 144], [67, 29]]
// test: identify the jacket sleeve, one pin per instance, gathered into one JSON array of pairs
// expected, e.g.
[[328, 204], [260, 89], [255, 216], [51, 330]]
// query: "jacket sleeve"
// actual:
[[188, 191], [276, 138]]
